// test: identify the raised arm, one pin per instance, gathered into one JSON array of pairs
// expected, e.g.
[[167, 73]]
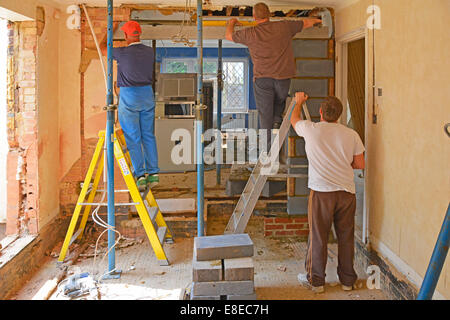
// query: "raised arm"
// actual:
[[230, 28], [308, 23], [300, 98], [103, 42]]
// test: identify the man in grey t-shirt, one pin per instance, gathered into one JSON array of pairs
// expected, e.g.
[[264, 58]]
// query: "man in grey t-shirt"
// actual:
[[333, 151], [270, 46]]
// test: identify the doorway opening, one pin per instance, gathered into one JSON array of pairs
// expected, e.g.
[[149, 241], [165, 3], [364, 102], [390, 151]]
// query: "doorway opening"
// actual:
[[351, 67]]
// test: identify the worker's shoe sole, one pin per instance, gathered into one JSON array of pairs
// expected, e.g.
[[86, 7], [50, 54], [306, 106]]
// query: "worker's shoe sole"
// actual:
[[141, 184], [302, 278], [152, 180]]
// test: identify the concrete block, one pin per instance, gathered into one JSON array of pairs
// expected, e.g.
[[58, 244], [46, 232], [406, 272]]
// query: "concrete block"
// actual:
[[223, 247], [298, 170], [312, 87], [297, 161], [310, 48], [301, 186], [222, 288], [242, 297], [271, 187], [204, 271], [314, 107], [300, 147], [315, 68], [239, 269], [297, 205], [205, 297]]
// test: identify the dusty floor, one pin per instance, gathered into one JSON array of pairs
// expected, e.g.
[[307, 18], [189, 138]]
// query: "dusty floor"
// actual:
[[277, 263]]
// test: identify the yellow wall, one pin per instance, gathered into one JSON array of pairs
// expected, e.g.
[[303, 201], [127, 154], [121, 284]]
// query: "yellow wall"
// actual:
[[48, 109], [58, 98], [408, 152], [69, 96]]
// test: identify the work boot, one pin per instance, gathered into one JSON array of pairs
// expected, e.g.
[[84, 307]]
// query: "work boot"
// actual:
[[303, 279], [348, 288], [152, 180], [141, 183]]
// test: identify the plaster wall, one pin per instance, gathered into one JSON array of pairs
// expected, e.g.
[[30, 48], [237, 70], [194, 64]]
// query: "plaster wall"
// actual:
[[48, 118], [69, 96], [408, 152]]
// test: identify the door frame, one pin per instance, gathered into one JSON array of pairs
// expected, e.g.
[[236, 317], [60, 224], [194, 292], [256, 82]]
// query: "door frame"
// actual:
[[341, 93]]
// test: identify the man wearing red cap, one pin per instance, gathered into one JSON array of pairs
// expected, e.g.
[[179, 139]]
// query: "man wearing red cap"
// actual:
[[136, 103]]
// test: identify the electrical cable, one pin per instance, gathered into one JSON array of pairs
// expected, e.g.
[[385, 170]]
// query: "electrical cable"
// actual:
[[96, 44], [180, 37], [95, 217]]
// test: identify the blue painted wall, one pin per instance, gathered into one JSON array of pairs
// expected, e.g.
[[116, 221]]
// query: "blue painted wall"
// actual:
[[211, 53]]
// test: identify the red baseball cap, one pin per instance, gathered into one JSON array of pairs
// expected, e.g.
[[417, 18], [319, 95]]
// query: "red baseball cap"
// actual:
[[132, 28]]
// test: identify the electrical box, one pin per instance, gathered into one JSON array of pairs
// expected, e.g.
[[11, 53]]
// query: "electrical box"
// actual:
[[177, 87]]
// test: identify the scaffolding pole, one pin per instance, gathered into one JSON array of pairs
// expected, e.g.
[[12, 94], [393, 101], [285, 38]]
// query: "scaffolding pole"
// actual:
[[199, 123], [112, 272], [219, 113]]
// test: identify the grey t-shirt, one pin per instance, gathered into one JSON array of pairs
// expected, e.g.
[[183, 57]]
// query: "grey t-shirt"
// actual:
[[270, 46]]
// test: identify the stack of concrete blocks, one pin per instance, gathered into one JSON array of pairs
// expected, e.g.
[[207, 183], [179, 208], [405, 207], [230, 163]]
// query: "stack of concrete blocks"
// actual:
[[315, 76], [223, 268]]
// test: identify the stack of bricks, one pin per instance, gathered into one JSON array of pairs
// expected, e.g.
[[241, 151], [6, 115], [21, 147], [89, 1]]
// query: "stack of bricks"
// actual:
[[223, 268]]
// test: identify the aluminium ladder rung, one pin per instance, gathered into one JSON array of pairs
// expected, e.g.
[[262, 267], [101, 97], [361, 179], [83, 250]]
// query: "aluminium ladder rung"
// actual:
[[246, 204], [152, 212], [162, 231]]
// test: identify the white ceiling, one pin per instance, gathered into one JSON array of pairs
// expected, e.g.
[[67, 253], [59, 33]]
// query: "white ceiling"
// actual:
[[272, 3]]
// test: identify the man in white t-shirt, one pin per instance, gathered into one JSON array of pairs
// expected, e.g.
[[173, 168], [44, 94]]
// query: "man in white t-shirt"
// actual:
[[333, 151]]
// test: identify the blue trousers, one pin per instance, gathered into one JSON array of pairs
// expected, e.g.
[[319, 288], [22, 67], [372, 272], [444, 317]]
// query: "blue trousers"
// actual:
[[136, 117]]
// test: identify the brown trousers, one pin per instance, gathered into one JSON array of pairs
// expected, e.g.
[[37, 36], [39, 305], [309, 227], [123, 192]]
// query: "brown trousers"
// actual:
[[324, 208]]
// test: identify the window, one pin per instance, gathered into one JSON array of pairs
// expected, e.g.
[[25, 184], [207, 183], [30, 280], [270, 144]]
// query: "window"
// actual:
[[235, 76]]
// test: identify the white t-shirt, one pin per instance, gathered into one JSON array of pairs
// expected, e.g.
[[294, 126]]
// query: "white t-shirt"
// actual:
[[330, 148]]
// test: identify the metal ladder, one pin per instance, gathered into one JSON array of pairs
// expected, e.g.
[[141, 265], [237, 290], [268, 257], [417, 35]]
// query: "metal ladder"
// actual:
[[267, 165], [146, 206]]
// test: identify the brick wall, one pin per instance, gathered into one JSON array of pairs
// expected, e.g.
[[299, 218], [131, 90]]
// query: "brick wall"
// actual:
[[22, 162], [286, 227]]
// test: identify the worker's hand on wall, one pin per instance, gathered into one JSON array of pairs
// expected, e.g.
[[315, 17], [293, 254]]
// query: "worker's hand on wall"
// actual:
[[300, 97]]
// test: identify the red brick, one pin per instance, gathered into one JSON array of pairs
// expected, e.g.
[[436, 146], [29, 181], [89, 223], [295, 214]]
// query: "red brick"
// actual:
[[269, 220], [273, 227], [304, 219], [284, 233], [283, 220], [268, 233], [294, 226], [302, 232]]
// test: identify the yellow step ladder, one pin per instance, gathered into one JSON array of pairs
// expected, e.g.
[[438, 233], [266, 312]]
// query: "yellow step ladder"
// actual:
[[152, 219]]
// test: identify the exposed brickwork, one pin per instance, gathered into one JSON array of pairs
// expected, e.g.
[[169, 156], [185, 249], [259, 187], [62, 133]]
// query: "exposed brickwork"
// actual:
[[22, 165], [98, 18], [286, 227]]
